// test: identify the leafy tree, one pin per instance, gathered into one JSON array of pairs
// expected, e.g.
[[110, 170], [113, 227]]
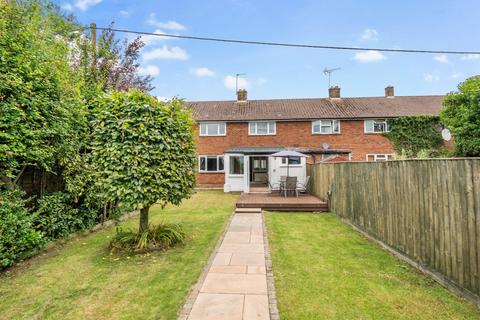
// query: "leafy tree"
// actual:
[[143, 151], [41, 115], [410, 135], [110, 64], [461, 114]]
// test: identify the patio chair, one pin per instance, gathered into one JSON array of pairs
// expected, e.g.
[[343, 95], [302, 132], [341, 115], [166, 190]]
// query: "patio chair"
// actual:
[[274, 187], [290, 185], [303, 187]]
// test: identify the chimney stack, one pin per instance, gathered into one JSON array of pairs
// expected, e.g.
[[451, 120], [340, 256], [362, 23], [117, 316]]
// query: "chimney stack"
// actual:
[[334, 92], [241, 95], [389, 92]]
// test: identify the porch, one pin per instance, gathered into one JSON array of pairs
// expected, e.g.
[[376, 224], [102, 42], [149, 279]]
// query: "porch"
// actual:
[[277, 202]]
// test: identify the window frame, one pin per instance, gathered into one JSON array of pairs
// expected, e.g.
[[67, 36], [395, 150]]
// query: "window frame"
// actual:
[[206, 134], [250, 123], [385, 120], [230, 157], [388, 157], [206, 163], [332, 125]]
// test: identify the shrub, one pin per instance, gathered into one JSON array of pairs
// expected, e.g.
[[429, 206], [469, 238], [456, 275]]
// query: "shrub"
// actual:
[[162, 236], [461, 114], [18, 236], [56, 217], [413, 135]]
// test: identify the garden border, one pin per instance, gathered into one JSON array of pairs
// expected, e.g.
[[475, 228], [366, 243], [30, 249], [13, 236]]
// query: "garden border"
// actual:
[[439, 278], [272, 295]]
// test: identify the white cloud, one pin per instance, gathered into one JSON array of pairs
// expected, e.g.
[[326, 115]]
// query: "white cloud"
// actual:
[[84, 5], [151, 39], [149, 70], [369, 35], [163, 99], [67, 6], [430, 77], [369, 56], [442, 58], [471, 56], [261, 81], [230, 82], [165, 52], [203, 72], [457, 75], [124, 13], [169, 25]]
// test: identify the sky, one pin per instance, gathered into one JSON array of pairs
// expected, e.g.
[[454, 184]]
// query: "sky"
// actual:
[[197, 70]]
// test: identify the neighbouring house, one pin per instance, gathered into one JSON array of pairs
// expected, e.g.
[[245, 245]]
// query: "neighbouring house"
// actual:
[[235, 138]]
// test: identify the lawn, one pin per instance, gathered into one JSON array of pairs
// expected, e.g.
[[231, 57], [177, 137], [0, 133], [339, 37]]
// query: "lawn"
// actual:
[[325, 270], [79, 280]]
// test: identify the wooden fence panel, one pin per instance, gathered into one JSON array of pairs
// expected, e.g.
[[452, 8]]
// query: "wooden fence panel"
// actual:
[[427, 210]]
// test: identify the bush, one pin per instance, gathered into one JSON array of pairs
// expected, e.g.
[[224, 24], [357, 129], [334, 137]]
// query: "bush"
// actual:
[[162, 236], [56, 217], [18, 236]]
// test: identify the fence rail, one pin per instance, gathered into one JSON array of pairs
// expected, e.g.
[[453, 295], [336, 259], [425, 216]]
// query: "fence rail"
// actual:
[[428, 210]]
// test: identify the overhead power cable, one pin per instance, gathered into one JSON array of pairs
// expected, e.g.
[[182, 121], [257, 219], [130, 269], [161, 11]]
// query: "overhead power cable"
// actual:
[[283, 44]]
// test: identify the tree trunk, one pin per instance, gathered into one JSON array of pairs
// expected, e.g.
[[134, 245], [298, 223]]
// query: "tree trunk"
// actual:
[[144, 218]]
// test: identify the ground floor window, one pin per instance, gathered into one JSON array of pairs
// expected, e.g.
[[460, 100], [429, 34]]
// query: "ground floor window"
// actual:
[[379, 157], [236, 164], [210, 163]]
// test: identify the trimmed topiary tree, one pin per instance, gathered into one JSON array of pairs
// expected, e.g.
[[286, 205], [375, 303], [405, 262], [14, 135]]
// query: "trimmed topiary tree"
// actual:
[[461, 114], [143, 151]]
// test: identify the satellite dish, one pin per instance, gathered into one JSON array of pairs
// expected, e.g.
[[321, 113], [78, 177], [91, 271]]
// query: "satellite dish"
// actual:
[[446, 135], [325, 146]]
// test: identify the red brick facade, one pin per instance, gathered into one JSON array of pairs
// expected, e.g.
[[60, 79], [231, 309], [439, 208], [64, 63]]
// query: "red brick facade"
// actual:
[[291, 134]]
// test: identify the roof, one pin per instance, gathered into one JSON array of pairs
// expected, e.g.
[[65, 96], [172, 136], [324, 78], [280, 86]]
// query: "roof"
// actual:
[[274, 149], [321, 108], [254, 150]]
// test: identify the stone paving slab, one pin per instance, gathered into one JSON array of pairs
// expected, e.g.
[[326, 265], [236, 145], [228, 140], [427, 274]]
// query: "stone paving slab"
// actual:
[[235, 286]]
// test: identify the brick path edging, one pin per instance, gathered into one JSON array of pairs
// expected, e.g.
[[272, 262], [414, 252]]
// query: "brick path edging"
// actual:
[[272, 299]]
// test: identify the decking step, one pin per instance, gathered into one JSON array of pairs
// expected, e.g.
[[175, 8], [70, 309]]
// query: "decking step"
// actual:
[[248, 210]]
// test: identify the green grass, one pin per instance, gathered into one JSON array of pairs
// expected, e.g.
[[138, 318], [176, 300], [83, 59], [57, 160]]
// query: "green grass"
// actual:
[[325, 270], [80, 280]]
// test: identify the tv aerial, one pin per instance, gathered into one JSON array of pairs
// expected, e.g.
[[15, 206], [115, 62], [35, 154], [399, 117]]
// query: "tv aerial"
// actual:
[[329, 72], [237, 75]]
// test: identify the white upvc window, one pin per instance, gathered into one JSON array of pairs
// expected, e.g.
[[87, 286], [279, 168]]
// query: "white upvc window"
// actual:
[[379, 157], [376, 126], [258, 128], [210, 164], [236, 165], [213, 128], [326, 127]]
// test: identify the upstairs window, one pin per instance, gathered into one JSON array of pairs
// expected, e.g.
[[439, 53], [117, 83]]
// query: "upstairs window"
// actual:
[[210, 163], [326, 126], [213, 128], [376, 126], [379, 157], [261, 128]]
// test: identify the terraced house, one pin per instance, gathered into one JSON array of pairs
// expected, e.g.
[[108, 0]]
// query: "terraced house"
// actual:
[[235, 138]]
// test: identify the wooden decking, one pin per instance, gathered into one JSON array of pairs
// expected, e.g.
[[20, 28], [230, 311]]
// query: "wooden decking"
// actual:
[[276, 202]]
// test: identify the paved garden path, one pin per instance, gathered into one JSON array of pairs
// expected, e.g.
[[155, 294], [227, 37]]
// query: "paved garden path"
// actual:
[[235, 286]]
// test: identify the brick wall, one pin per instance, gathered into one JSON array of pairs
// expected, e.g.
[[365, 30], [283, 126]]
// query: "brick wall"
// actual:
[[291, 134]]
